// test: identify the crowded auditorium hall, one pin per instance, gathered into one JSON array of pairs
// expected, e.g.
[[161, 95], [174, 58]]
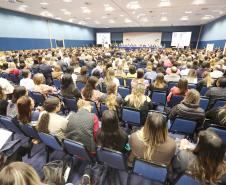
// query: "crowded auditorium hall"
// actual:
[[112, 92]]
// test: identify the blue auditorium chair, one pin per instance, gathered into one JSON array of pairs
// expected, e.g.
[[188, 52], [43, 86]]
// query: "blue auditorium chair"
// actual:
[[37, 97], [183, 126], [187, 180], [51, 142], [175, 99], [203, 91], [219, 130], [219, 103], [114, 160], [123, 91], [150, 170], [70, 104], [57, 84], [131, 116], [80, 85], [204, 102]]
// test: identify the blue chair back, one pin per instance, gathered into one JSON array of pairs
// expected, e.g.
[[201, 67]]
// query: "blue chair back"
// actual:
[[11, 125], [103, 107], [76, 149], [175, 99], [203, 91], [220, 131], [192, 86], [50, 141], [219, 103], [128, 82], [183, 126], [70, 104], [171, 84], [80, 85], [57, 83], [123, 91], [29, 131], [94, 108], [38, 98], [158, 97], [5, 75], [188, 180], [150, 170], [35, 115], [13, 78], [204, 102], [121, 81], [131, 116], [111, 158]]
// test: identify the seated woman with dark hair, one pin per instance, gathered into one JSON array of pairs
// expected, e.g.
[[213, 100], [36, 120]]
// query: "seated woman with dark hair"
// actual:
[[159, 84], [205, 163], [180, 89], [152, 142], [49, 121], [68, 88], [83, 75], [189, 108], [111, 135], [89, 92], [12, 107], [25, 106]]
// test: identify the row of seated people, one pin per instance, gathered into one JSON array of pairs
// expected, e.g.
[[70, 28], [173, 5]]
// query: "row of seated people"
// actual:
[[151, 142]]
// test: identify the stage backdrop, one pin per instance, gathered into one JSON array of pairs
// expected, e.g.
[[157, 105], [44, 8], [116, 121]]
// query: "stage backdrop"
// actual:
[[142, 38]]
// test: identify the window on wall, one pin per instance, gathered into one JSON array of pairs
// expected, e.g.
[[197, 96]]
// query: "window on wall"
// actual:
[[60, 43]]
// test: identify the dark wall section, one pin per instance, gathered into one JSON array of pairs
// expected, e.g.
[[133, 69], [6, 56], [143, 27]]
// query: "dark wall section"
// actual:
[[117, 33]]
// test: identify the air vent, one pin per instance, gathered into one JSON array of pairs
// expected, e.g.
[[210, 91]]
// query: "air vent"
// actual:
[[87, 3]]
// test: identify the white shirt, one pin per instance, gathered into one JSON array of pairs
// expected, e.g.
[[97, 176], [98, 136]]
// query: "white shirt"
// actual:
[[184, 72], [6, 86], [27, 83], [216, 74]]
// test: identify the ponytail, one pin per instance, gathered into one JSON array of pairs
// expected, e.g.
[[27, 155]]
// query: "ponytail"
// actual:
[[43, 125]]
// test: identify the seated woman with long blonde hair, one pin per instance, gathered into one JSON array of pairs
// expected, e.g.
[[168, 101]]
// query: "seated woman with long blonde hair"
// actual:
[[159, 83], [152, 142], [138, 100]]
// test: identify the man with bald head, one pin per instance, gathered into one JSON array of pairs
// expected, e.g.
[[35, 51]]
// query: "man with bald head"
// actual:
[[173, 77]]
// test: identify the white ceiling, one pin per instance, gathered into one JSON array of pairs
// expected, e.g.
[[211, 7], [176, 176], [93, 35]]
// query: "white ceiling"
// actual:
[[123, 13]]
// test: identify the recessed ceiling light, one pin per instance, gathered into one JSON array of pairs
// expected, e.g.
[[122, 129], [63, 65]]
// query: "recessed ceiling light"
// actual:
[[121, 15], [140, 15], [198, 2], [111, 21], [188, 12], [108, 9], [46, 14], [133, 5], [67, 13], [22, 8], [67, 1], [71, 20], [206, 17], [82, 22], [63, 10], [184, 18], [164, 19], [127, 20], [85, 9], [58, 18], [44, 3], [164, 3]]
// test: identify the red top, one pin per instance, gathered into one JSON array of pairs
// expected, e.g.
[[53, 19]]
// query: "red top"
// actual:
[[173, 91]]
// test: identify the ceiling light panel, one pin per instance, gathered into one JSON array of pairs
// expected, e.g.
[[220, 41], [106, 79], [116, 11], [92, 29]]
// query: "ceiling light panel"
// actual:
[[133, 5]]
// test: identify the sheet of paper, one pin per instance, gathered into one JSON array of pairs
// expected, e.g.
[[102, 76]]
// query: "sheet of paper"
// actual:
[[5, 135]]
